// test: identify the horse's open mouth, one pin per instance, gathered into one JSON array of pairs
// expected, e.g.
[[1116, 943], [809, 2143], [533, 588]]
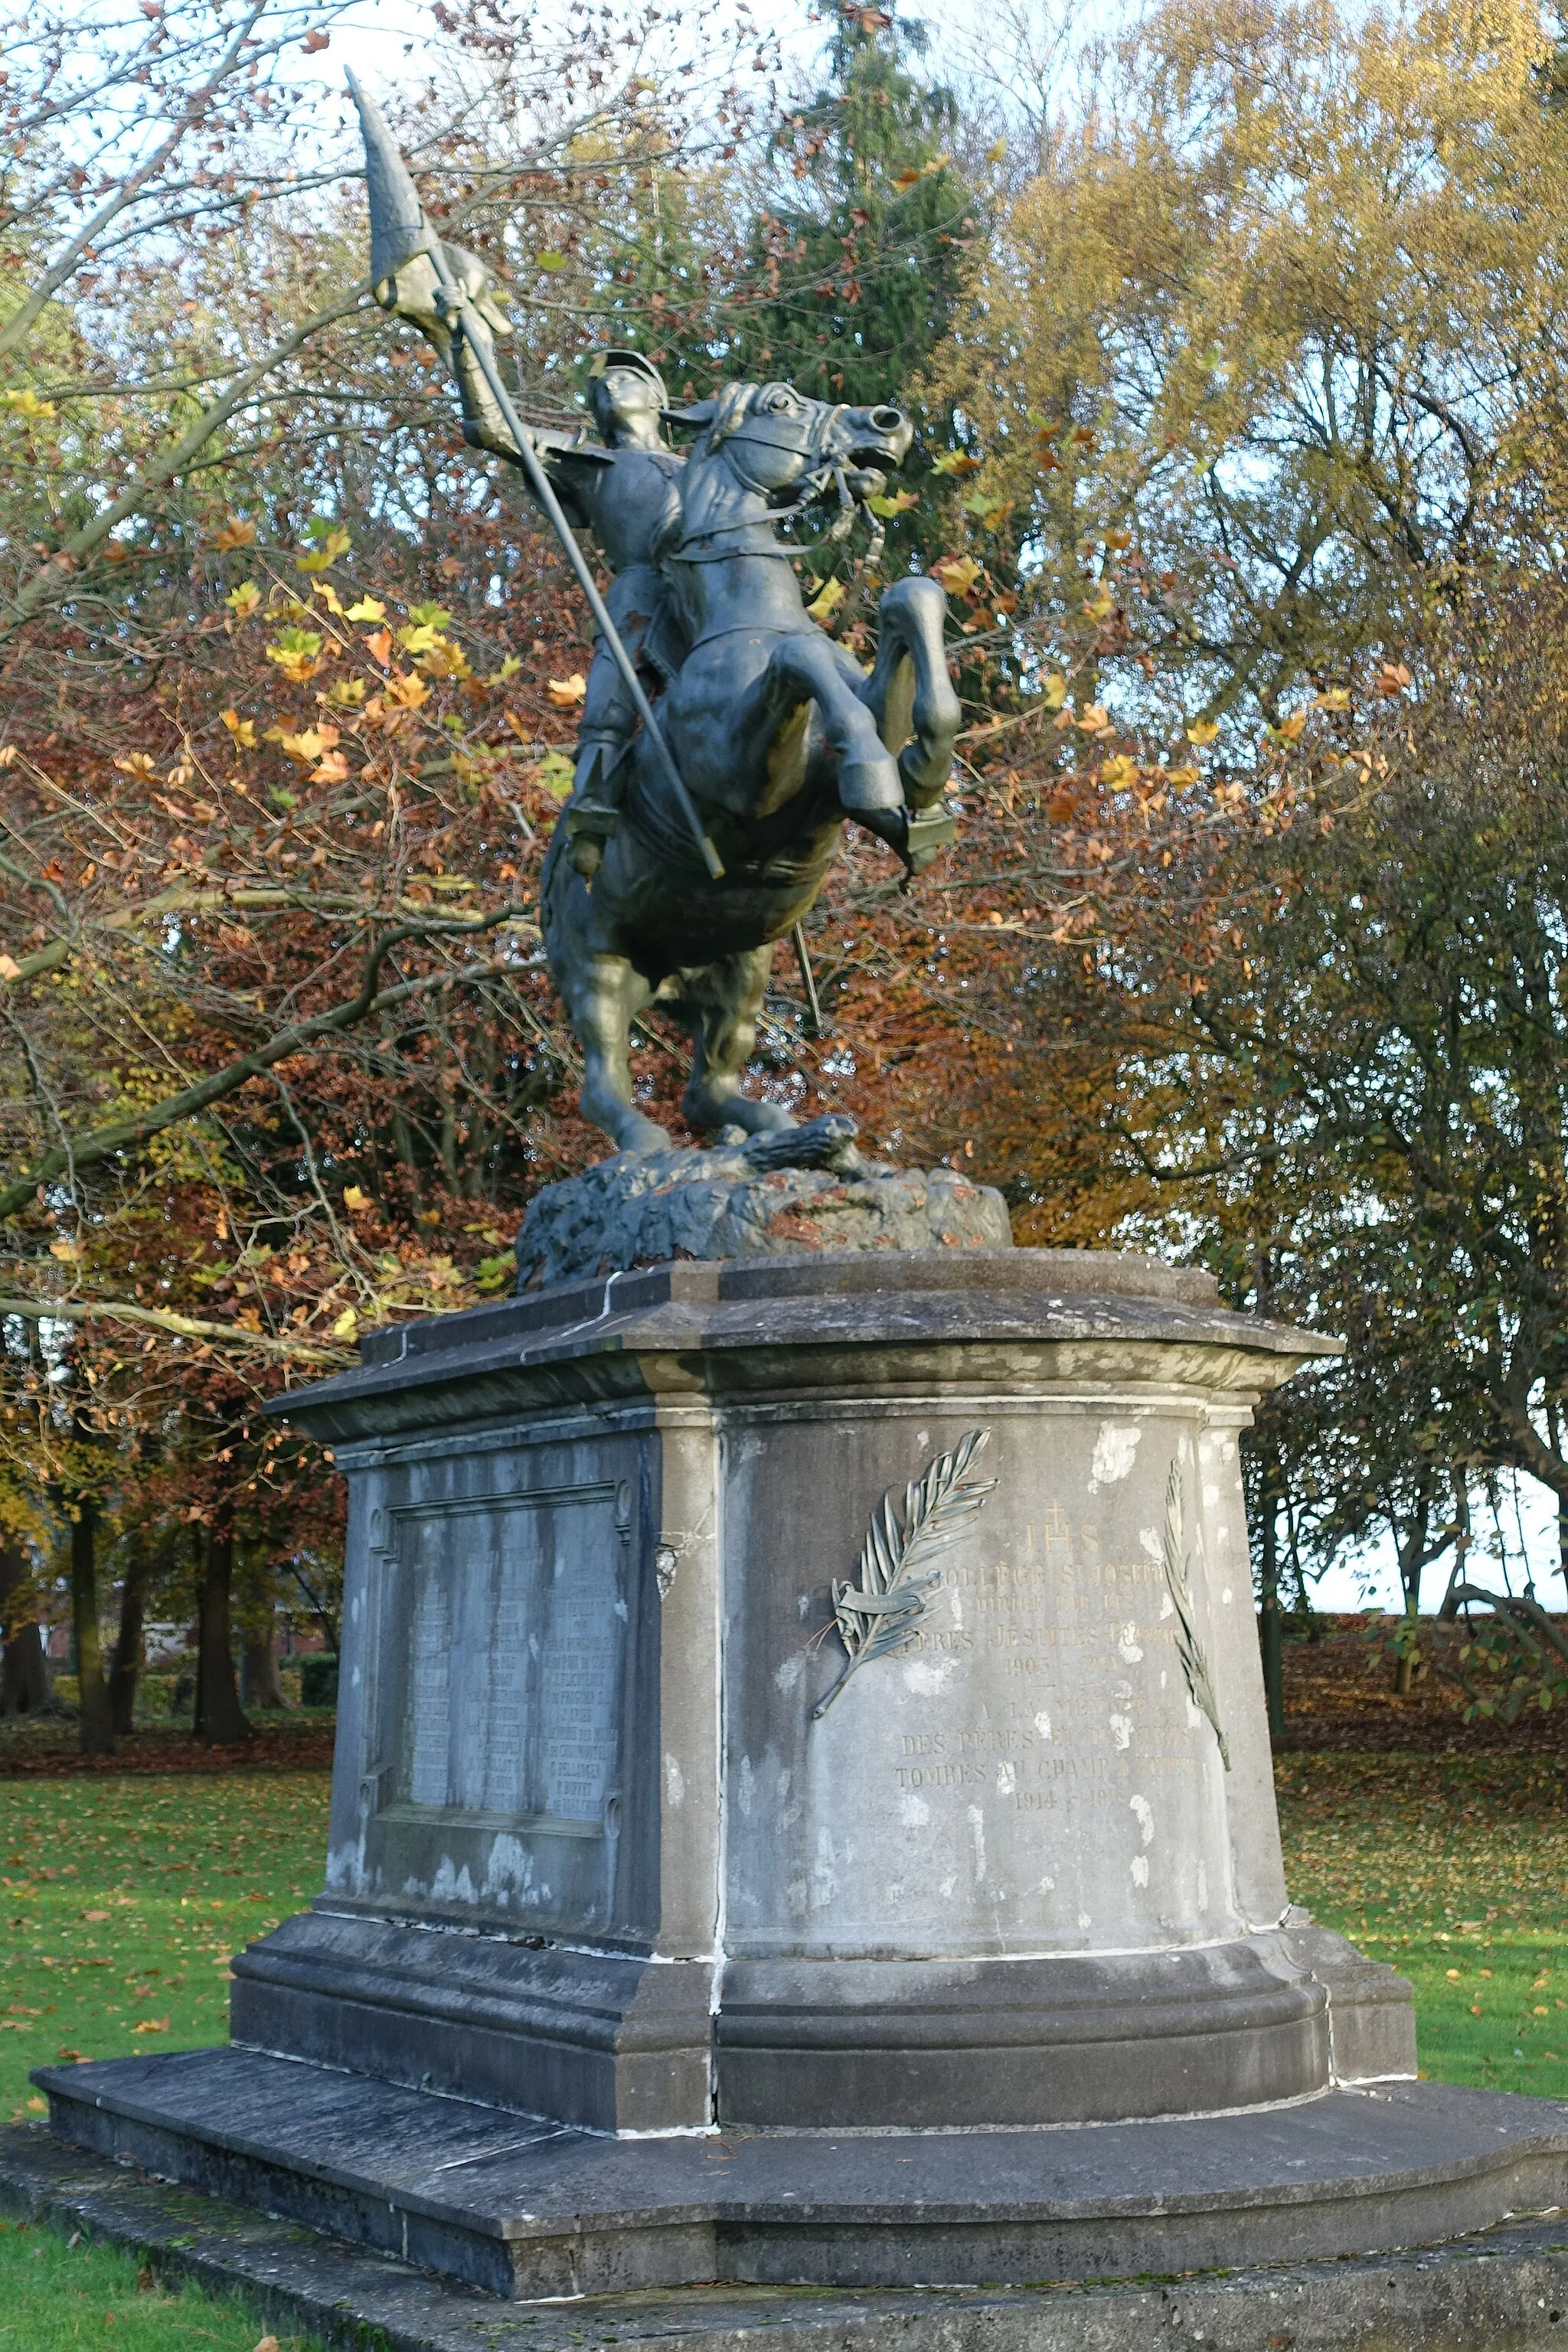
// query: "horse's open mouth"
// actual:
[[881, 440]]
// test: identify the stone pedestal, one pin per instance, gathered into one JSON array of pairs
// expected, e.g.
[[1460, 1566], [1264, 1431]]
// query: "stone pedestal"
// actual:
[[624, 1836], [801, 1756]]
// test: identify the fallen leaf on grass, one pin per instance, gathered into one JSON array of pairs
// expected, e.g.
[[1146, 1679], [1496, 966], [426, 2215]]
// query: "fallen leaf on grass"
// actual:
[[150, 2025]]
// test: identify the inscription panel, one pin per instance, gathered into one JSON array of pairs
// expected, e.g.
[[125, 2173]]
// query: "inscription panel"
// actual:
[[515, 1615]]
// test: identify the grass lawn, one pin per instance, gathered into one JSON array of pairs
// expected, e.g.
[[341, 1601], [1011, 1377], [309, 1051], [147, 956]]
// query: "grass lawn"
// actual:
[[1454, 1868], [124, 1896], [55, 2297]]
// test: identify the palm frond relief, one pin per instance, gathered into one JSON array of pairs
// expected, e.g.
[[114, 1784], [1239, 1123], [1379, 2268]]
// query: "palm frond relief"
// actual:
[[883, 1612], [1189, 1649]]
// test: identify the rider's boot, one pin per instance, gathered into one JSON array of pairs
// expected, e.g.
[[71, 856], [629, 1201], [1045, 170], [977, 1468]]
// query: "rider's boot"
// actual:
[[590, 814]]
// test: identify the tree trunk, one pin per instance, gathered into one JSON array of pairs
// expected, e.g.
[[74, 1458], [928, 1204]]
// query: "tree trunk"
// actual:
[[95, 1718], [220, 1719], [23, 1676], [127, 1666], [1270, 1632], [263, 1684]]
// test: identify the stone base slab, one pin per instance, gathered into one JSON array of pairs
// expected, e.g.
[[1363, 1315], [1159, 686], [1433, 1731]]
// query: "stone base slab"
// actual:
[[534, 2211], [1502, 2287]]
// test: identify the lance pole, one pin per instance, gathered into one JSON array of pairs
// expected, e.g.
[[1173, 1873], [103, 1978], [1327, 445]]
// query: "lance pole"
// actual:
[[458, 312]]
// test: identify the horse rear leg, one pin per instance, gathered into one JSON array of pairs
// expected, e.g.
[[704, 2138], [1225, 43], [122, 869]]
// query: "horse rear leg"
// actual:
[[909, 692], [722, 1003], [603, 995]]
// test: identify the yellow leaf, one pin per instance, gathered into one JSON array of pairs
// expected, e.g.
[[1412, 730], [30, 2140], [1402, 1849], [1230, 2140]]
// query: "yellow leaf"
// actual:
[[956, 574], [1098, 605], [71, 1252], [551, 261], [418, 638], [1183, 775], [1096, 720], [897, 503], [243, 731], [27, 404], [150, 2025], [1055, 692], [1202, 731], [329, 598], [244, 599], [234, 534], [1288, 729], [347, 692], [997, 151], [555, 773], [355, 1199], [408, 692], [827, 601], [1120, 771], [954, 461], [347, 1324], [907, 179], [330, 771], [37, 2106], [369, 608], [307, 747], [326, 552], [1336, 697], [8, 970], [565, 692]]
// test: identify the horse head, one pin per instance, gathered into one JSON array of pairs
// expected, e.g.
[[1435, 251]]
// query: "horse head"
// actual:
[[766, 449]]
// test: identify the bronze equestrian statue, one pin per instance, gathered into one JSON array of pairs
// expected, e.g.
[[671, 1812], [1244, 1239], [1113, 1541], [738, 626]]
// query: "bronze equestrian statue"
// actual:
[[701, 823]]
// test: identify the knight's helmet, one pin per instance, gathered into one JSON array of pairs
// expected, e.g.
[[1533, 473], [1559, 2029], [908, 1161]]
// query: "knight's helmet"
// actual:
[[632, 364], [399, 231]]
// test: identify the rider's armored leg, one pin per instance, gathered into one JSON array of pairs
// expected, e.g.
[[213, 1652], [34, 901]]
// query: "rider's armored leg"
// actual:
[[604, 740]]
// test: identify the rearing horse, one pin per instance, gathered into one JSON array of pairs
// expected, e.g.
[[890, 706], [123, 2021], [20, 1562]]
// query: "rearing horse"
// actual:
[[778, 736]]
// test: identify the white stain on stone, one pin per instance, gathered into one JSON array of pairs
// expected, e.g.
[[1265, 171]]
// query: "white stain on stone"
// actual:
[[1150, 1539], [1006, 1779], [1203, 1888], [977, 1840], [1122, 1731], [825, 1875], [1048, 1886], [790, 1672], [1043, 1724], [913, 1811], [1084, 1920], [803, 1606], [1227, 1596], [1167, 1607], [1138, 1867], [1164, 1678], [1145, 1812], [922, 1438], [510, 1865], [945, 1889], [451, 1885], [745, 1788], [924, 1678], [1127, 1648], [1114, 1449], [674, 1784]]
